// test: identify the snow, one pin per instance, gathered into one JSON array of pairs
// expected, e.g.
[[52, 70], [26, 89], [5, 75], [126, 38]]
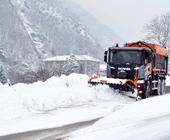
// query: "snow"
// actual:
[[56, 102], [167, 80], [144, 120], [109, 80], [66, 57], [69, 99], [103, 67]]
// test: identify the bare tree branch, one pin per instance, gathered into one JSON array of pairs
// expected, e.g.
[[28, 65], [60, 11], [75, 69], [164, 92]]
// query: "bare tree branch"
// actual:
[[158, 30]]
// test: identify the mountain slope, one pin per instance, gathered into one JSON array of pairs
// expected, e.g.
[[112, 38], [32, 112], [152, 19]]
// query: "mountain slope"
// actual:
[[31, 30], [17, 53], [54, 30], [103, 34]]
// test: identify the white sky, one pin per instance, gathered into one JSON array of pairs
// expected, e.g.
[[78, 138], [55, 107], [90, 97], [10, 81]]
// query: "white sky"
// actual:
[[126, 17]]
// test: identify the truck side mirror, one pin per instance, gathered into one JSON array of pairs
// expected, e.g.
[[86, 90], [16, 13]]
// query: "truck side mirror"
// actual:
[[105, 56]]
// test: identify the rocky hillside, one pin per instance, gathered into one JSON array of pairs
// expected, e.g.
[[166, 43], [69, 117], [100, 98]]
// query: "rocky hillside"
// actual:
[[54, 28], [17, 52], [34, 29]]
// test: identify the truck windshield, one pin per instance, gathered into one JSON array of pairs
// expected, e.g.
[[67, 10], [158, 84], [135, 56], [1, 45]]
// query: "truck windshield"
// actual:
[[126, 57]]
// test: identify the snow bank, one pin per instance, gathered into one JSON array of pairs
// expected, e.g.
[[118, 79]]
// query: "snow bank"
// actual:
[[147, 119], [22, 100], [54, 103]]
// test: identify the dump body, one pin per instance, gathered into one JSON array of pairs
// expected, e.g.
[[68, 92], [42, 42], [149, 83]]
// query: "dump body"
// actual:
[[156, 49]]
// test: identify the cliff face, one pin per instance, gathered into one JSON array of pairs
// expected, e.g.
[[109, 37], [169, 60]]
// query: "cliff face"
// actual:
[[17, 53], [54, 28], [34, 29]]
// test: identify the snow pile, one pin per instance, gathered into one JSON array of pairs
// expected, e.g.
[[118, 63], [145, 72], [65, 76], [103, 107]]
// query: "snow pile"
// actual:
[[58, 101], [147, 119], [64, 92]]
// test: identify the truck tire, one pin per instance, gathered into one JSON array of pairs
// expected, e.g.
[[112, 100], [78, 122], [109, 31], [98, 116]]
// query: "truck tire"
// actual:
[[159, 92], [163, 88], [147, 92]]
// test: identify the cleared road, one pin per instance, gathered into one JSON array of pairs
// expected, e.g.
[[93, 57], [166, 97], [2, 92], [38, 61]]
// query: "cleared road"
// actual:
[[50, 134]]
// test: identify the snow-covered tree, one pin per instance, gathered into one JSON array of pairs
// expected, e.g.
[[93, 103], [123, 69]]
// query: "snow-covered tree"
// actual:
[[71, 65], [3, 78], [158, 30]]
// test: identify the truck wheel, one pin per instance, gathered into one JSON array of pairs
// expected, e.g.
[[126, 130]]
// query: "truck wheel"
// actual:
[[147, 91], [159, 92], [163, 90]]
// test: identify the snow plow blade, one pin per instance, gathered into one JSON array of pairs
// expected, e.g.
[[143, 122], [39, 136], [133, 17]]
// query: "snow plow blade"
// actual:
[[126, 85]]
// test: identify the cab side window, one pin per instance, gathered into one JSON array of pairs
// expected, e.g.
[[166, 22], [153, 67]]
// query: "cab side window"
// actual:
[[148, 57], [160, 62]]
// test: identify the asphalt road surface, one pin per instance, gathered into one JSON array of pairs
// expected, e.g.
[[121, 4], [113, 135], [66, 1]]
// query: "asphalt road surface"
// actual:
[[50, 134]]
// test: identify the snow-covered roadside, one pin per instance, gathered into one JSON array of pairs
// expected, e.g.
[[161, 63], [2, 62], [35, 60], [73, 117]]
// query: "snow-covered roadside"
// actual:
[[56, 102], [167, 80], [58, 118], [145, 120]]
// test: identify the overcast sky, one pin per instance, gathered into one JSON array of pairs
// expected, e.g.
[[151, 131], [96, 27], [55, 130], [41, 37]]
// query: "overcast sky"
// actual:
[[126, 17]]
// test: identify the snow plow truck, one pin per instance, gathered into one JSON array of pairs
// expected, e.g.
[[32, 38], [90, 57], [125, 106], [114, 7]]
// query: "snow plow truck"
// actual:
[[139, 68]]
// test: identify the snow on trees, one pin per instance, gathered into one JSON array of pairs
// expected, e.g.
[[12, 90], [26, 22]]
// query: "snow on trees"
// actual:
[[3, 78], [158, 30], [67, 64], [71, 66]]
